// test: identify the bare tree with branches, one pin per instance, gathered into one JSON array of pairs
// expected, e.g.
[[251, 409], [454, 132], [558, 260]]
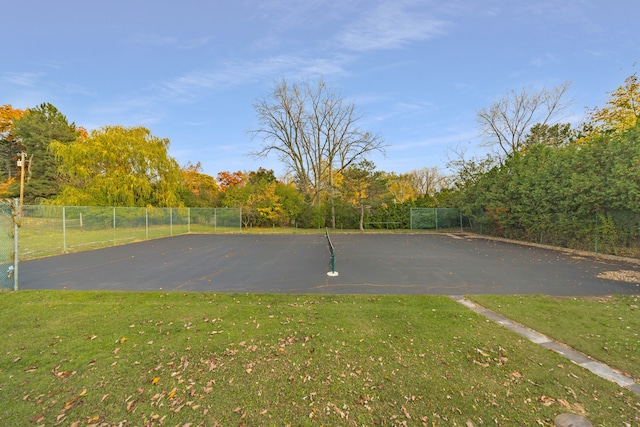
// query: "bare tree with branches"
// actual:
[[428, 180], [507, 121], [314, 131]]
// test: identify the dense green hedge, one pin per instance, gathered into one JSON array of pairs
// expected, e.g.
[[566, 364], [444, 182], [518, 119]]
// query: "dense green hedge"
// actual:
[[584, 196]]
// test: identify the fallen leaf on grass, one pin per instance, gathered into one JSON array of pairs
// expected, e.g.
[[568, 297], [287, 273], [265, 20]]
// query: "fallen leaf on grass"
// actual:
[[61, 374], [69, 404], [484, 365], [576, 407], [172, 393], [406, 413], [546, 400], [481, 352]]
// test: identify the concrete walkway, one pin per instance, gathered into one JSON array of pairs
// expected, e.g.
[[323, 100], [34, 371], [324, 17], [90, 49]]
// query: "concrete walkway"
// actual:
[[574, 356]]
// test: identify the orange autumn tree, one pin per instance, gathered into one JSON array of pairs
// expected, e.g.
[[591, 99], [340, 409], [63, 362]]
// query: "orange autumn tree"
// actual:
[[202, 189], [9, 148], [230, 179]]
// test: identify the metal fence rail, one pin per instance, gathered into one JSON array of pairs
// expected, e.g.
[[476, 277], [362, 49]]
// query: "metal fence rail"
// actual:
[[53, 230]]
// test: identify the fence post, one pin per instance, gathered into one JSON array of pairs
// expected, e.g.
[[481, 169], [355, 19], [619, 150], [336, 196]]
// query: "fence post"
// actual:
[[15, 248], [171, 221], [410, 218], [188, 220], [596, 233], [114, 225], [64, 229], [146, 222]]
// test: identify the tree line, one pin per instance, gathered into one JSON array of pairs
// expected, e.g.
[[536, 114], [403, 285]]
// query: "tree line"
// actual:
[[539, 178], [328, 174]]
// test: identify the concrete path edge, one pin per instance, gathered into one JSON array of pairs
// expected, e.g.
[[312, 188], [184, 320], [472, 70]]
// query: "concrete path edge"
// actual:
[[563, 350]]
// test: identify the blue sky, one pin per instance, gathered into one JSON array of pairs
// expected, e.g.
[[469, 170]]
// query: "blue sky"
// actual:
[[418, 70]]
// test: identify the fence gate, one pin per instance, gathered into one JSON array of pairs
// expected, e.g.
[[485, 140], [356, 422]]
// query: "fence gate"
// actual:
[[436, 219], [8, 245]]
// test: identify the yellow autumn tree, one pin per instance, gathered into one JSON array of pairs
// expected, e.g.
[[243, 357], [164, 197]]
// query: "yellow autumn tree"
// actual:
[[401, 188], [621, 111], [118, 166], [202, 189]]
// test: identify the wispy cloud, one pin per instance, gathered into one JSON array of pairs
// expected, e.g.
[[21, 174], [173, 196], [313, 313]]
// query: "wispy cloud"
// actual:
[[285, 15], [157, 40], [27, 79], [544, 59], [392, 25], [241, 72], [129, 112]]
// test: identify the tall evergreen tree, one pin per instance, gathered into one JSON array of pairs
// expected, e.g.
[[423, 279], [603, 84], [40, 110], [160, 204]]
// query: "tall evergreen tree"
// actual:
[[35, 131]]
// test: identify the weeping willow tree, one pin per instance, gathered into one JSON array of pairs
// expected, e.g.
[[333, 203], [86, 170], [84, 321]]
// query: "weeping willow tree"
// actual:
[[118, 166]]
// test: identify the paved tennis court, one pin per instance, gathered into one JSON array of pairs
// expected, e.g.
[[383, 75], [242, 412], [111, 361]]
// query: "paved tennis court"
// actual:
[[366, 263]]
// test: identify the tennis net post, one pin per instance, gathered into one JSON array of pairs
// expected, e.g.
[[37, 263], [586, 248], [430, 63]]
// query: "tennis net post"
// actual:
[[332, 251]]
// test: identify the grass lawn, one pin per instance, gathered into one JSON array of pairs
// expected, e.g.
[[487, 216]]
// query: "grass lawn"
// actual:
[[190, 359], [605, 328]]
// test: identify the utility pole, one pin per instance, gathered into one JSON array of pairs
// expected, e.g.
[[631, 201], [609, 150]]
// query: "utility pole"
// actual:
[[16, 224], [21, 184]]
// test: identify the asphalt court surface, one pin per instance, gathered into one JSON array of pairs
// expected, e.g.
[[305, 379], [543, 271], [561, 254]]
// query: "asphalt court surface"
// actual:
[[366, 264]]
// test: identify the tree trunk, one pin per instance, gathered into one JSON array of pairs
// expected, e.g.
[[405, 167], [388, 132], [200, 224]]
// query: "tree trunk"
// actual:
[[362, 217], [333, 206]]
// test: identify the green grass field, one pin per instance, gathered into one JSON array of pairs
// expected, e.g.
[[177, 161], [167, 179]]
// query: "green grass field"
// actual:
[[606, 328], [189, 359]]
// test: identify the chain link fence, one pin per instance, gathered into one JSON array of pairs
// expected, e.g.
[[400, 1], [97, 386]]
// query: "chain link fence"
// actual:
[[8, 268], [53, 230], [608, 232], [435, 219]]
